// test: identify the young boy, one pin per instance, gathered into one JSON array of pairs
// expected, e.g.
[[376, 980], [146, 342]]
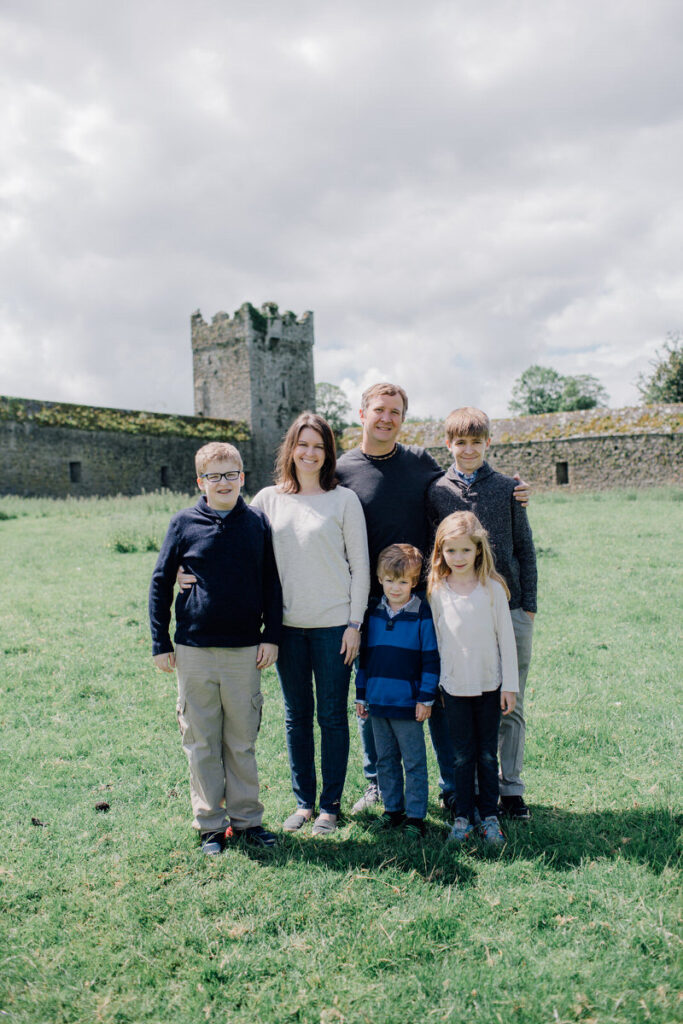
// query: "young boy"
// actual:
[[396, 683], [471, 485], [227, 629]]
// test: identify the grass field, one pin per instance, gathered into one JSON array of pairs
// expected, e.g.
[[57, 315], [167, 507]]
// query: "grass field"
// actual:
[[114, 915]]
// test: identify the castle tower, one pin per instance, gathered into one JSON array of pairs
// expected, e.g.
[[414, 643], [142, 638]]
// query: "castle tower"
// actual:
[[257, 367]]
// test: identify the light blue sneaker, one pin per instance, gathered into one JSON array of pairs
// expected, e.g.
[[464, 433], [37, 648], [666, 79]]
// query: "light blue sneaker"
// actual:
[[491, 832], [461, 831]]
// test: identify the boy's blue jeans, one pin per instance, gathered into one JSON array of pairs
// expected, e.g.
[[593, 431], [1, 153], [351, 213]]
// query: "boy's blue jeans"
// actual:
[[306, 655], [473, 724], [401, 740], [441, 741]]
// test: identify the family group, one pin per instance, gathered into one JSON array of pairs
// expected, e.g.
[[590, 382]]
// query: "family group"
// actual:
[[425, 581]]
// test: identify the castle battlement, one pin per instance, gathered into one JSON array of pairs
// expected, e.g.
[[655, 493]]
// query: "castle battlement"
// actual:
[[255, 366]]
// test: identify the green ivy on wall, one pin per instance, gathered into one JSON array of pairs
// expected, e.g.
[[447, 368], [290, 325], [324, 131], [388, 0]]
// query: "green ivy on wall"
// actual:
[[89, 417]]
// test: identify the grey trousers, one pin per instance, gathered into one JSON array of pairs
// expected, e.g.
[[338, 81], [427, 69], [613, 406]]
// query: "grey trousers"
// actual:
[[512, 730], [219, 714]]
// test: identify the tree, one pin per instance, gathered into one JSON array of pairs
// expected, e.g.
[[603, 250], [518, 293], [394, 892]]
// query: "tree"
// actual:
[[665, 383], [331, 402], [582, 392], [542, 389]]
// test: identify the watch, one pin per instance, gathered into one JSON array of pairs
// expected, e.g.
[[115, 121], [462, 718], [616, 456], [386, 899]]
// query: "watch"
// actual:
[[355, 625]]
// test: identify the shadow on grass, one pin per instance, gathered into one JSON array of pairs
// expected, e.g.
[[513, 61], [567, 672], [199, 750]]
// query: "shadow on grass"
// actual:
[[562, 839], [353, 847], [557, 838]]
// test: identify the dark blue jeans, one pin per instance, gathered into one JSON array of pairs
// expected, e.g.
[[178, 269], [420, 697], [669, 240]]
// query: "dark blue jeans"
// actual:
[[441, 741], [473, 723], [306, 655]]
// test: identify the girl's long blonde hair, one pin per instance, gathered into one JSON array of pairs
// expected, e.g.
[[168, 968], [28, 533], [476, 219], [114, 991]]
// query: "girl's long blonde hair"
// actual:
[[460, 524]]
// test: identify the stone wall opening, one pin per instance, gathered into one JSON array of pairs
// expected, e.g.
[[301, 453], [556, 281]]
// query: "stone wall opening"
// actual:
[[75, 472], [561, 473]]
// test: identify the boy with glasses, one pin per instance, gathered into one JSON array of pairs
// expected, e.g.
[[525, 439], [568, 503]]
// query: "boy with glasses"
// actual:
[[227, 629]]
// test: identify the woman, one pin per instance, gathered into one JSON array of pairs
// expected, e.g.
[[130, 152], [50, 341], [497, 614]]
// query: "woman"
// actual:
[[321, 551]]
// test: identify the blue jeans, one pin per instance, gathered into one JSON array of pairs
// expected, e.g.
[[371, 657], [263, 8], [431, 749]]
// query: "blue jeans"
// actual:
[[401, 740], [306, 655], [441, 741], [473, 723]]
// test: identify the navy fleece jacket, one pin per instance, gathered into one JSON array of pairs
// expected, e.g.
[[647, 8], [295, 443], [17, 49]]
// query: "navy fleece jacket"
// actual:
[[237, 599]]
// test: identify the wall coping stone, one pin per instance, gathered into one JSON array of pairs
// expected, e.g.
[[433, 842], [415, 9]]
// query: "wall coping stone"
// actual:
[[127, 421], [583, 423]]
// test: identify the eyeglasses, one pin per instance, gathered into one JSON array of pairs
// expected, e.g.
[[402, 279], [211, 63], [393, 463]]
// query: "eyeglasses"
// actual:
[[214, 478]]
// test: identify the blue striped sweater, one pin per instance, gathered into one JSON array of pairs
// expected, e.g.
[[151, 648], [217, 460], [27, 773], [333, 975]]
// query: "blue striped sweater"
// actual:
[[399, 659]]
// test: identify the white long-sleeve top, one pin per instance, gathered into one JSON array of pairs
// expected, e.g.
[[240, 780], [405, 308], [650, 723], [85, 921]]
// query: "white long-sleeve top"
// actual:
[[476, 640], [321, 550]]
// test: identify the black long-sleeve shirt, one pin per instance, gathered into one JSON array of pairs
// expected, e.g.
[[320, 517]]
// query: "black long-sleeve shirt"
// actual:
[[393, 493], [237, 599]]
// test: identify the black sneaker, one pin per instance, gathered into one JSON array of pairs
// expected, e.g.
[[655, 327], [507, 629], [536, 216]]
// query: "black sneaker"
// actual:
[[212, 842], [514, 807], [447, 800], [415, 827], [255, 835], [390, 819]]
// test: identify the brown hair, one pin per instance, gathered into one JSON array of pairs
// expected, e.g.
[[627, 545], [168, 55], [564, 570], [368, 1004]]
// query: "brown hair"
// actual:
[[467, 422], [460, 524], [384, 388], [216, 451], [400, 560], [285, 470]]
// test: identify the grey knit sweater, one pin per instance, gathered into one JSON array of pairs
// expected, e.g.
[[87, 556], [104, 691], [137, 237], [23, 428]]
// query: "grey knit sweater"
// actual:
[[490, 498]]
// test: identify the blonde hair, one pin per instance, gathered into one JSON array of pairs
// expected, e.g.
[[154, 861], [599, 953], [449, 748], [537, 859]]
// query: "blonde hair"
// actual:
[[400, 560], [467, 422], [216, 451], [464, 524]]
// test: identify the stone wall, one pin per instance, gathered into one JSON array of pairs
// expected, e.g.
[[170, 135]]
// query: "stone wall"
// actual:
[[589, 449], [595, 463], [50, 449], [256, 366]]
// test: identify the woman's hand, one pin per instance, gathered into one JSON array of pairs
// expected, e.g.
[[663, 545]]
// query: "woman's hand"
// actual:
[[350, 645], [184, 579]]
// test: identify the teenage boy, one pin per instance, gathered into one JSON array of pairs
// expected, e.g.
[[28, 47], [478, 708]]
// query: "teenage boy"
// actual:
[[471, 485], [396, 683], [392, 480], [227, 629]]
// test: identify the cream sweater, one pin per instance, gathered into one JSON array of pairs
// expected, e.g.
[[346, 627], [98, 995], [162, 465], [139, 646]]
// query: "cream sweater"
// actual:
[[476, 640], [321, 550]]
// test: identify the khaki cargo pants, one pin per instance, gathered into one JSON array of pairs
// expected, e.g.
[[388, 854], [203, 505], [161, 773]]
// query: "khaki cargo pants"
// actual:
[[219, 714]]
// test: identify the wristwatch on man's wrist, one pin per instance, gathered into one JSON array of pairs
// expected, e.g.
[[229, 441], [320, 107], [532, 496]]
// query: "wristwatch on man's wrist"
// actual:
[[355, 625]]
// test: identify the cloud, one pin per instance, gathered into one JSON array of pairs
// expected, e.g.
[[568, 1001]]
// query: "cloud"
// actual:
[[457, 191]]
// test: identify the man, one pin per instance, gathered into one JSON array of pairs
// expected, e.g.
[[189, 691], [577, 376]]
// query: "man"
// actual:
[[391, 481]]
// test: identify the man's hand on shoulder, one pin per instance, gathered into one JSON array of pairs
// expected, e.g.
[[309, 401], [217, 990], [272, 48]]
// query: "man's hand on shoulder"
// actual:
[[522, 491], [166, 662]]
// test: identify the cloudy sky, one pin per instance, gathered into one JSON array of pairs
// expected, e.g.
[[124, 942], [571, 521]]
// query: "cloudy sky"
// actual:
[[458, 189]]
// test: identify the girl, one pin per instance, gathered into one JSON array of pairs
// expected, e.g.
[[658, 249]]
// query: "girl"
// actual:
[[469, 601], [321, 550]]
